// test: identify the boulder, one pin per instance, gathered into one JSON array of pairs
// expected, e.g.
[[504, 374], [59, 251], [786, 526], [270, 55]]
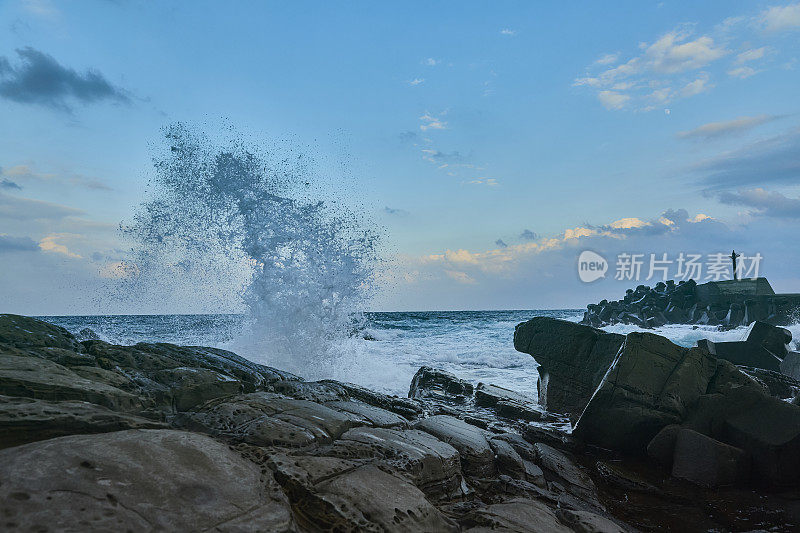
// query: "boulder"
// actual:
[[776, 384], [573, 359], [574, 477], [440, 385], [764, 347], [661, 448], [27, 420], [651, 384], [507, 403], [137, 480], [477, 457], [373, 416], [26, 332], [790, 366], [706, 461]]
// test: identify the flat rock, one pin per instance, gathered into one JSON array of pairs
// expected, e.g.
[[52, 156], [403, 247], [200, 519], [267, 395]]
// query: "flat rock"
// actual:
[[560, 464], [137, 480], [518, 515], [651, 383], [477, 457], [573, 358], [42, 379], [27, 420], [373, 416], [432, 465]]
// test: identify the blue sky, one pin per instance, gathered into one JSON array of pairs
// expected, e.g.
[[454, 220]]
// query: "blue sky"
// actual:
[[456, 127]]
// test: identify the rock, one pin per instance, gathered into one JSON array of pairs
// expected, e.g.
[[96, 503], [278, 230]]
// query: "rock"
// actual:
[[266, 419], [661, 448], [567, 470], [510, 462], [137, 480], [518, 515], [313, 391], [573, 358], [189, 387], [477, 457], [27, 420], [26, 332], [507, 403], [651, 384], [405, 407], [758, 350], [373, 416], [45, 380], [775, 383], [333, 496], [587, 522], [440, 385], [432, 465], [706, 461], [790, 366]]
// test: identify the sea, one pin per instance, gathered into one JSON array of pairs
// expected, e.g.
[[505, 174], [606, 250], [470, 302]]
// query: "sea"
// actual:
[[387, 349]]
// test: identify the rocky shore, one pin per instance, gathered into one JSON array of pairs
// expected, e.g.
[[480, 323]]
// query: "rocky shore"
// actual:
[[99, 437]]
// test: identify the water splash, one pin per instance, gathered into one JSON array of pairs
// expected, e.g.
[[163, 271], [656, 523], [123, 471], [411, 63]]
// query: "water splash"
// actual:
[[229, 226]]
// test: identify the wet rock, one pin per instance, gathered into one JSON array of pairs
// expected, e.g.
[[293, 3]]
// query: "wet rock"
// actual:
[[406, 407], [267, 419], [573, 358], [137, 480], [775, 383], [432, 465], [763, 348], [518, 515], [189, 387], [510, 462], [507, 403], [706, 461], [477, 457], [42, 379], [440, 385], [26, 332], [360, 498], [373, 416], [587, 522], [314, 391], [27, 420], [576, 479], [790, 366], [651, 384]]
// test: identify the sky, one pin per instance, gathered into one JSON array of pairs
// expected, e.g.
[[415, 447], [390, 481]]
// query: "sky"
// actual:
[[491, 143]]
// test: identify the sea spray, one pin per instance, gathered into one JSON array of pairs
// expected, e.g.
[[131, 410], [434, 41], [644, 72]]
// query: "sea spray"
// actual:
[[228, 226]]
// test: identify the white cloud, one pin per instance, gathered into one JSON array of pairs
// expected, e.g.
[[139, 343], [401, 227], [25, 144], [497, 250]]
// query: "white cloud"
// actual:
[[742, 72], [508, 31], [49, 244], [700, 85], [490, 182], [607, 59], [613, 99], [416, 81], [779, 18], [751, 55], [713, 130], [430, 62], [431, 122]]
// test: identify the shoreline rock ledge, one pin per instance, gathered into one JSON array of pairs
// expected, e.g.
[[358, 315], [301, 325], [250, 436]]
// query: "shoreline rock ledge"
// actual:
[[155, 437]]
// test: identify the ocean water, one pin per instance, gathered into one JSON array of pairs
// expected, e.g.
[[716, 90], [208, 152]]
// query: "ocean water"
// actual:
[[474, 345]]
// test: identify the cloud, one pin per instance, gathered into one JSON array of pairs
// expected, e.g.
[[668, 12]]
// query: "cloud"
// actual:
[[8, 184], [528, 235], [40, 79], [490, 182], [501, 243], [437, 156], [49, 244], [17, 244], [430, 62], [751, 55], [431, 122], [763, 203], [508, 32], [742, 72], [773, 160], [395, 212], [715, 130], [416, 81], [24, 209], [613, 100], [779, 18], [607, 59], [661, 73], [25, 173]]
